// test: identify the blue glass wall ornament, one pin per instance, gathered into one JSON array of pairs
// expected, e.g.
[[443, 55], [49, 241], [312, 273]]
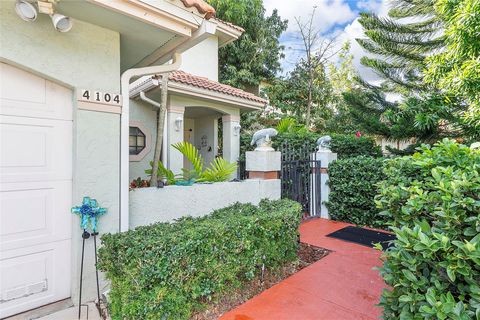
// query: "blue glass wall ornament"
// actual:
[[89, 213]]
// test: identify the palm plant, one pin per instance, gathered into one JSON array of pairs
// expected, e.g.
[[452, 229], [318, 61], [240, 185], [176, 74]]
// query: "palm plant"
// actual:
[[289, 124], [192, 154], [163, 173], [219, 170]]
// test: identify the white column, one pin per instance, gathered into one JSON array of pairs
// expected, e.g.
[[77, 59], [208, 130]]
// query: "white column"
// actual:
[[174, 135], [326, 157], [231, 138]]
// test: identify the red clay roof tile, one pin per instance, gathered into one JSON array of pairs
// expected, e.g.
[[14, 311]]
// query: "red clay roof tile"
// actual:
[[201, 6], [204, 83]]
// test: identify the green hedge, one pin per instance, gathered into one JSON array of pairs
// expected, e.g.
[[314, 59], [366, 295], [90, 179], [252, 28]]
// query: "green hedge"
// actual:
[[433, 201], [353, 186], [169, 270], [346, 146]]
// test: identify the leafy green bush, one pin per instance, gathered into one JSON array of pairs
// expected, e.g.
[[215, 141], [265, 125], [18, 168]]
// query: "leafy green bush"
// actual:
[[346, 146], [433, 201], [169, 270], [353, 188]]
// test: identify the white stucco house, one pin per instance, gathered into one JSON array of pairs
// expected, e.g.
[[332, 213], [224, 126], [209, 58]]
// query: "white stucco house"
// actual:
[[73, 123]]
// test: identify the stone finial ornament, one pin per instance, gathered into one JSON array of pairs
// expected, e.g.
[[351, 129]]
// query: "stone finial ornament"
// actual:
[[262, 138], [323, 143]]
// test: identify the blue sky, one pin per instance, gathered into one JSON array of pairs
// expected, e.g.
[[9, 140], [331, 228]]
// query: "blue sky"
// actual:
[[333, 19]]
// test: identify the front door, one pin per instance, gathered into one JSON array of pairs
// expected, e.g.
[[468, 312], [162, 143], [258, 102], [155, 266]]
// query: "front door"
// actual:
[[35, 191]]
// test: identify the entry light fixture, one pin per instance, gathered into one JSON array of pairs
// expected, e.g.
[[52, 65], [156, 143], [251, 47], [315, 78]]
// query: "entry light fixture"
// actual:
[[61, 23], [25, 10], [178, 123], [236, 129]]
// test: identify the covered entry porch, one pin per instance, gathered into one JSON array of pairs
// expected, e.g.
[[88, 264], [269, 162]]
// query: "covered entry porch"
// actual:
[[200, 111]]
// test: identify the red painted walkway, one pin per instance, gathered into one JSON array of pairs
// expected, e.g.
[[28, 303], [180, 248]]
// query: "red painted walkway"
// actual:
[[340, 286]]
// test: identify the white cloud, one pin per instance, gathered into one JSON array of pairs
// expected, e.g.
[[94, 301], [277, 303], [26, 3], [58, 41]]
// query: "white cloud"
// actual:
[[328, 13], [352, 32], [370, 5]]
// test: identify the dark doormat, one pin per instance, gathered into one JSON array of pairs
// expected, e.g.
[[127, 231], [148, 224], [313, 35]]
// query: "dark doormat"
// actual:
[[364, 237]]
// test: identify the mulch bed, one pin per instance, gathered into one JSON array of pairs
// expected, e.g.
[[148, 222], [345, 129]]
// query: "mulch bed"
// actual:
[[307, 254]]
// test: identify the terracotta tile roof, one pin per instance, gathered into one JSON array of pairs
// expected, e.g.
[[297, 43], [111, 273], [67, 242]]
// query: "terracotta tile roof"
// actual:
[[201, 6], [234, 26], [204, 83]]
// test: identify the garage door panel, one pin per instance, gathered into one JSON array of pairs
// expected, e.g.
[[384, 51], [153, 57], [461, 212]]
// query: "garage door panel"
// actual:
[[25, 94], [34, 213], [34, 149], [36, 137], [33, 276]]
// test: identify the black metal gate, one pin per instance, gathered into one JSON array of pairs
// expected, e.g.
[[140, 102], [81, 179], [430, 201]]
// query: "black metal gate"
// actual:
[[301, 178]]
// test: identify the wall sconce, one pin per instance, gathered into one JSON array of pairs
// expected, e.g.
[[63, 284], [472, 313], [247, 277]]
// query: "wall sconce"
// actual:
[[178, 123], [236, 129]]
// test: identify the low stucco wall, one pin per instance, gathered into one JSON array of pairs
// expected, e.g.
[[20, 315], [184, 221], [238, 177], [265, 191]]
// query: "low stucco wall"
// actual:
[[150, 205]]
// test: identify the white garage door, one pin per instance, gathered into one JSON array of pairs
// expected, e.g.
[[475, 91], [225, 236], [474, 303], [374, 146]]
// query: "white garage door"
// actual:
[[35, 191]]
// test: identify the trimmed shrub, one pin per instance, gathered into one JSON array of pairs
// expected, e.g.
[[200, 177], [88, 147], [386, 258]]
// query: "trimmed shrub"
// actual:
[[353, 186], [169, 270], [433, 201], [346, 146]]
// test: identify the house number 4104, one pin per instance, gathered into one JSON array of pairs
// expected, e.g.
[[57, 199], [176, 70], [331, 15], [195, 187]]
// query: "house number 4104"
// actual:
[[101, 97]]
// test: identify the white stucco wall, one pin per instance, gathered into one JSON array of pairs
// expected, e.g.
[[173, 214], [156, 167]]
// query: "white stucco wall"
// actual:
[[202, 59], [87, 57], [150, 205]]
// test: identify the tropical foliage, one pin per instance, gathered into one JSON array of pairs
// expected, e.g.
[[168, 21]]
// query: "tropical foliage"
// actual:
[[218, 170], [432, 201], [170, 270], [289, 124]]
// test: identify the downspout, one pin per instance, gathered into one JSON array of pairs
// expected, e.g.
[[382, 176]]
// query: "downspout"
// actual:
[[125, 79]]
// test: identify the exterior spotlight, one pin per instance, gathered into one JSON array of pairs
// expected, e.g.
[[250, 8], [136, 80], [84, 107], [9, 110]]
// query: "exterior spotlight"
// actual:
[[61, 23], [25, 10]]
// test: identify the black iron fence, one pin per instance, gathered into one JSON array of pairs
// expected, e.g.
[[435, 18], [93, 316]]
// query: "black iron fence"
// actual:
[[241, 170], [301, 179], [300, 175]]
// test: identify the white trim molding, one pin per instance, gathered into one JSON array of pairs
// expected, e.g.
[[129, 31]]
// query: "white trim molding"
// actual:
[[230, 117], [99, 107], [176, 109], [148, 141]]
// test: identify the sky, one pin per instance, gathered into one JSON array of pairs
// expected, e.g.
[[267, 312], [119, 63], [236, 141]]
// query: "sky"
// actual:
[[333, 19]]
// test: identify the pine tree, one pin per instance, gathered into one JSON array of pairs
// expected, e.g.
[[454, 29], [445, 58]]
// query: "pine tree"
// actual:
[[399, 45]]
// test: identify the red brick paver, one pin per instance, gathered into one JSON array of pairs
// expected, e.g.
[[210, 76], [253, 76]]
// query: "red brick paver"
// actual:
[[342, 285]]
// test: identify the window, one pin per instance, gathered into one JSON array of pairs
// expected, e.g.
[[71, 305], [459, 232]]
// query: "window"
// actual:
[[136, 141]]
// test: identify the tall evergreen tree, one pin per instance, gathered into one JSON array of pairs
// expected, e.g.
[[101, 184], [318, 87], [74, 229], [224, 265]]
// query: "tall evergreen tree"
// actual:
[[399, 45], [456, 70]]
